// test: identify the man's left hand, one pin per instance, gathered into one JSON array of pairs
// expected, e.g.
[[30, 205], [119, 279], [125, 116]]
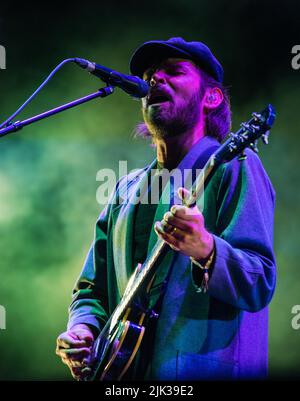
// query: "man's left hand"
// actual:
[[183, 230]]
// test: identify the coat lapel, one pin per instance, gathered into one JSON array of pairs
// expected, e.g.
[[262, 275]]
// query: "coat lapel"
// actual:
[[123, 226]]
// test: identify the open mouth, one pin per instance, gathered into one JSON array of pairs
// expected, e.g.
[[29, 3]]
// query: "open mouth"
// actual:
[[157, 99]]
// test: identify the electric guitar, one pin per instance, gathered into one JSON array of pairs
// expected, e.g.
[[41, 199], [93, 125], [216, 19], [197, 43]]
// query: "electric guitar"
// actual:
[[116, 346]]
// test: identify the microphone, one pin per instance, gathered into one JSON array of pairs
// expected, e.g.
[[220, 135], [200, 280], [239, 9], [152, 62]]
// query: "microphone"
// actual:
[[132, 85]]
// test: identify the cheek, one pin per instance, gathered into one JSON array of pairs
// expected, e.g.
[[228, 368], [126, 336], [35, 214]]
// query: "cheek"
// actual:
[[189, 87], [181, 100]]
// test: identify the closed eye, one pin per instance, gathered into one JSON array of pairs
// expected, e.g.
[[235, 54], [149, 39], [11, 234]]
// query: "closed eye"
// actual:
[[176, 71]]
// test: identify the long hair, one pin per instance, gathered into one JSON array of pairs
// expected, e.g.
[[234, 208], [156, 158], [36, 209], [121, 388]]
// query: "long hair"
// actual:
[[217, 121]]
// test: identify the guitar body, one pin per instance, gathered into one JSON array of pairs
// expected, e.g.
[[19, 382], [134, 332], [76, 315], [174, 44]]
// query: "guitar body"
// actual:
[[116, 354], [115, 348]]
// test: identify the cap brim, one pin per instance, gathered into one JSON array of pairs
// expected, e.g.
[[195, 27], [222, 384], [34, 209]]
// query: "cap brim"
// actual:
[[152, 53]]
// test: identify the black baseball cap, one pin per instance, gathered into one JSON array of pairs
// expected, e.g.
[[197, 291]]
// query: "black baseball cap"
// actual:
[[154, 51]]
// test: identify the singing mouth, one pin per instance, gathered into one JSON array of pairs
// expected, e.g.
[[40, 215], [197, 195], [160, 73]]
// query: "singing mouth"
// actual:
[[157, 99]]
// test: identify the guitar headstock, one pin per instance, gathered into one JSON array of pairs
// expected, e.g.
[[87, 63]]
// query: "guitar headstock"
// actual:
[[247, 136]]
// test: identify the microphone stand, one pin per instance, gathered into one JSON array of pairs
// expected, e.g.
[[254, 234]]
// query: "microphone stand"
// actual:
[[13, 127]]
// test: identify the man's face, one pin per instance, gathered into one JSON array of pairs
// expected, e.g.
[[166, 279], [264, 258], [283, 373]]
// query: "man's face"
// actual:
[[173, 105]]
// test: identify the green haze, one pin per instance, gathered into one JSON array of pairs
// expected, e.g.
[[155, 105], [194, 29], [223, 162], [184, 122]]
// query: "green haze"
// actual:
[[48, 170]]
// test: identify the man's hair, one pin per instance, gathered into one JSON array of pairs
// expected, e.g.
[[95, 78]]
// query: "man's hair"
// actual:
[[217, 121]]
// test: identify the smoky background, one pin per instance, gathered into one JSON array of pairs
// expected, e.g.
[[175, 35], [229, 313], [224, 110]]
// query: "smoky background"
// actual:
[[48, 170]]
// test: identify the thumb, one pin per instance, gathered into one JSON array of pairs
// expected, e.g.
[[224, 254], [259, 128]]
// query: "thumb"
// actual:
[[85, 335], [183, 193]]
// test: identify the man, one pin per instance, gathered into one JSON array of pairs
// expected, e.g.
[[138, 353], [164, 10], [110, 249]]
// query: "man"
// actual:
[[221, 333]]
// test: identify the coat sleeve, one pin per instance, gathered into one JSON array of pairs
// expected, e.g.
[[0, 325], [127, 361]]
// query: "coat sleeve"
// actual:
[[244, 270], [90, 295], [89, 301]]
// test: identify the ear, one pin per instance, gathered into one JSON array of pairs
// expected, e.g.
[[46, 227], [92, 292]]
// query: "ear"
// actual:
[[213, 98]]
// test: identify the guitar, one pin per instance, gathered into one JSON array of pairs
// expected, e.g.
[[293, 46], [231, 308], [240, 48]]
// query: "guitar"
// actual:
[[116, 346]]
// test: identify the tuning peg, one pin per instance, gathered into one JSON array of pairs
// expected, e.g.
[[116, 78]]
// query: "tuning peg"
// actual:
[[232, 146], [253, 146], [257, 116], [244, 136], [265, 137], [245, 126], [249, 128], [242, 156]]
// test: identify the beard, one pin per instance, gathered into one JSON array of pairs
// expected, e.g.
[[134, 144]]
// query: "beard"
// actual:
[[165, 121]]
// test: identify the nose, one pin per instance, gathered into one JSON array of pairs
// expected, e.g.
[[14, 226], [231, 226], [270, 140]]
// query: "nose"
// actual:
[[158, 77]]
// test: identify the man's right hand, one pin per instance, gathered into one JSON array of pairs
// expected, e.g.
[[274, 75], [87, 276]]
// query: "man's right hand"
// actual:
[[74, 347]]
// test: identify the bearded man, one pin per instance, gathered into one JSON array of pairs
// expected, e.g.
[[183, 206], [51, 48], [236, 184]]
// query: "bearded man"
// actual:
[[220, 333]]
